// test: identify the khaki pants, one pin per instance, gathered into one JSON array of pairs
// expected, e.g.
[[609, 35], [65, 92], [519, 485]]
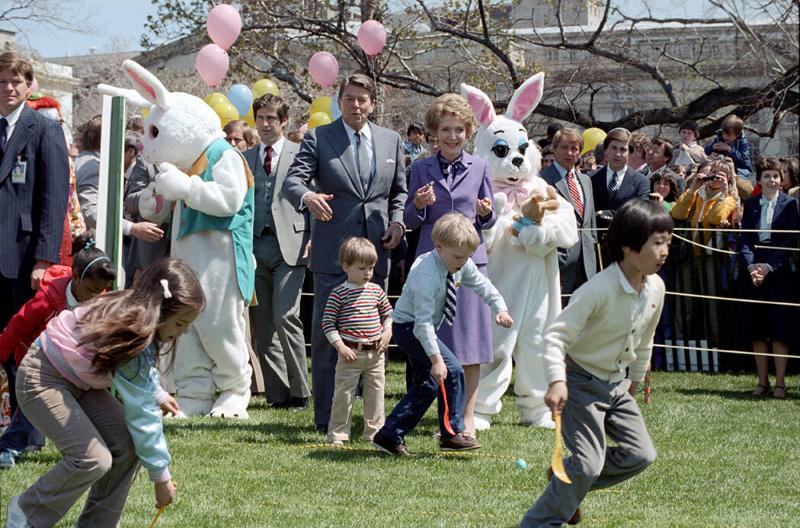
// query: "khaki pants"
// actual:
[[370, 367], [88, 428]]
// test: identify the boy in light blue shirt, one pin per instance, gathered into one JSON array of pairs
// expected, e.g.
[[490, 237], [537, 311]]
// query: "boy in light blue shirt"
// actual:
[[427, 302]]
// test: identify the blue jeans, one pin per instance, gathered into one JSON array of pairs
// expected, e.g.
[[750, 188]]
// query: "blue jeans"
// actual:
[[423, 390], [21, 434]]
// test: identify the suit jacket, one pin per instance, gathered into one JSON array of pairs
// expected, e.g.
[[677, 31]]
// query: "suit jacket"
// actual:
[[474, 183], [326, 164], [583, 252], [138, 253], [785, 216], [634, 185], [32, 213], [291, 226]]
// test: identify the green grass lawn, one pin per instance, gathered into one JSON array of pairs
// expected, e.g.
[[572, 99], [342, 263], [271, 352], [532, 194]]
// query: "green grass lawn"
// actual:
[[725, 459]]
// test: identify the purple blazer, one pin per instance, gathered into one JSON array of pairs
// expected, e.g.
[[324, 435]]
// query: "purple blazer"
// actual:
[[472, 184]]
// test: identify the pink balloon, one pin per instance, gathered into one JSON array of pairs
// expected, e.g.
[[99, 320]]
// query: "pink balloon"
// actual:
[[224, 25], [323, 68], [372, 37], [35, 85], [212, 64]]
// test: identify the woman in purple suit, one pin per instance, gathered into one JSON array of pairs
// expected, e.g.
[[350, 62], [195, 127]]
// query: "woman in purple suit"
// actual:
[[454, 180]]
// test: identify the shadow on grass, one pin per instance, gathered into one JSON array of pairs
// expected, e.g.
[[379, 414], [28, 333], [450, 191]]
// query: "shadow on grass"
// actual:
[[727, 394], [250, 431], [351, 454]]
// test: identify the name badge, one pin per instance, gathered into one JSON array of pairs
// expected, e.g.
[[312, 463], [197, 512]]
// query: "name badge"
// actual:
[[18, 172]]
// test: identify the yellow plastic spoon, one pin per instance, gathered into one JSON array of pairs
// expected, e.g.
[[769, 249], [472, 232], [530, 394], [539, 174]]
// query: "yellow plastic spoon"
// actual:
[[557, 464]]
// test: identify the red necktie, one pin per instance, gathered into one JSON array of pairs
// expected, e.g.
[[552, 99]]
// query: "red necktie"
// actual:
[[576, 196], [268, 160]]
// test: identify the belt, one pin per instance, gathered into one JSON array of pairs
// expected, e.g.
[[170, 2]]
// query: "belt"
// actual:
[[362, 346]]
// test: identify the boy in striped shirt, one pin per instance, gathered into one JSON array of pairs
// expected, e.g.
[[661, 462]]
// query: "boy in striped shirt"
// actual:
[[358, 323]]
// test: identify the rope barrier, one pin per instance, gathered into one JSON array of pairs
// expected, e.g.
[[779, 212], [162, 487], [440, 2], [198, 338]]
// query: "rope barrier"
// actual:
[[722, 350], [717, 298], [710, 248]]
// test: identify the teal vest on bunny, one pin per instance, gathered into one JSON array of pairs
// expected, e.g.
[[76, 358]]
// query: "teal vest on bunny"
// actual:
[[240, 224]]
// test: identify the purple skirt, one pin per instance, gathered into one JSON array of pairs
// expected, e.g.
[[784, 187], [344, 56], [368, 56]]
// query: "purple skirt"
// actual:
[[470, 337]]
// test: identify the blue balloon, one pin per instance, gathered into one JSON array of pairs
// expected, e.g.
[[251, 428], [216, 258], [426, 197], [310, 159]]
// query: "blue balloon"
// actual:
[[335, 112], [241, 98]]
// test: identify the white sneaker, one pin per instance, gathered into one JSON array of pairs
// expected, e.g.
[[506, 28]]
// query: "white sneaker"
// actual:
[[16, 517], [8, 458]]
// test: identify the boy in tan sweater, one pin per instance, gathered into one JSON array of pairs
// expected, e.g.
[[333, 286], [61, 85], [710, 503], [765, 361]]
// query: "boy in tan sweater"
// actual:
[[606, 328]]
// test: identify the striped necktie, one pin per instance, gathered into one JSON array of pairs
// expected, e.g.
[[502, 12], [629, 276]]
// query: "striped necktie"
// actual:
[[450, 301], [573, 191], [613, 185]]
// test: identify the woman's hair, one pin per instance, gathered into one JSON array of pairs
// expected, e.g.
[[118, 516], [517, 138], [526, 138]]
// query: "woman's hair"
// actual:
[[454, 230], [119, 325], [91, 132], [766, 163], [633, 224], [673, 186], [452, 104], [791, 169], [250, 136], [88, 261], [726, 166], [358, 250]]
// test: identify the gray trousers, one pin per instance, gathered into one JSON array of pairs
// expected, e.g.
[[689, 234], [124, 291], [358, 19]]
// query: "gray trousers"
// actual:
[[88, 428], [323, 355], [276, 323], [595, 409]]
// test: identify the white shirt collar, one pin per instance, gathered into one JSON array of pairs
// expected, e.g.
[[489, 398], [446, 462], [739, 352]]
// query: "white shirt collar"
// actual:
[[13, 117], [626, 285], [277, 147], [72, 302], [366, 131]]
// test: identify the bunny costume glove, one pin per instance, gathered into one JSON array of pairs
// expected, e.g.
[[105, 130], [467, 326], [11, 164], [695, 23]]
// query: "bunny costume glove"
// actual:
[[524, 268]]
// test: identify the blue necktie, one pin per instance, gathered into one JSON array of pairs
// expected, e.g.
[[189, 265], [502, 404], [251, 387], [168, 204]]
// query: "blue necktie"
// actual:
[[613, 185], [362, 161], [3, 137], [450, 301]]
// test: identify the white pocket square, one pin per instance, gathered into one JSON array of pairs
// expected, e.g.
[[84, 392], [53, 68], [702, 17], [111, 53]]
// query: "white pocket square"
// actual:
[[390, 162]]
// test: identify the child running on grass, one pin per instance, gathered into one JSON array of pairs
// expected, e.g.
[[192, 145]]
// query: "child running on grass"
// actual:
[[358, 323], [427, 301], [62, 385], [62, 288], [606, 328]]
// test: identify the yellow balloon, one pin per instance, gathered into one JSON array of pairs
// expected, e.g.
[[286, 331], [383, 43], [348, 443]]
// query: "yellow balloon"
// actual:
[[591, 138], [264, 86], [145, 112], [248, 117], [226, 112], [215, 98], [318, 119], [320, 104]]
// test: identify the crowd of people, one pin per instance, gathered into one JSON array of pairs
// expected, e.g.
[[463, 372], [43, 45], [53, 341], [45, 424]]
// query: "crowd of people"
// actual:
[[355, 203]]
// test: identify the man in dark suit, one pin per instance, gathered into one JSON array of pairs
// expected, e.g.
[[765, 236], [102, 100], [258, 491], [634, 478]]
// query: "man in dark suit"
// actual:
[[34, 186], [578, 263], [658, 156], [616, 183], [350, 176], [280, 236]]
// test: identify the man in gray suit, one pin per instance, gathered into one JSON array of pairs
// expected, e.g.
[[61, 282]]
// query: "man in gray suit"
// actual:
[[280, 236], [356, 169], [578, 263]]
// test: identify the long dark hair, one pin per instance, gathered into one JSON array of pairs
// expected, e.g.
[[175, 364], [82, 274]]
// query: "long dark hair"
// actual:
[[118, 326]]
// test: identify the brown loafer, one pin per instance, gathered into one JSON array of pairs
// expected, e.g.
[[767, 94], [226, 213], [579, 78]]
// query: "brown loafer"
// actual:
[[578, 515], [387, 446], [458, 442]]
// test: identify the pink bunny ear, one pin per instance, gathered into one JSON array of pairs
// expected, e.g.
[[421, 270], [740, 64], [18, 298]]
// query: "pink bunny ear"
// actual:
[[480, 103], [526, 98], [146, 84]]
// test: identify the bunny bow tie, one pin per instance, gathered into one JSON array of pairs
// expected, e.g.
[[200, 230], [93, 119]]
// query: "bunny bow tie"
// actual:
[[517, 192]]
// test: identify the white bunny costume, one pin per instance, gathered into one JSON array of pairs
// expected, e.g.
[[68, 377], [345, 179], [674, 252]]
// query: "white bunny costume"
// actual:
[[524, 268], [211, 231]]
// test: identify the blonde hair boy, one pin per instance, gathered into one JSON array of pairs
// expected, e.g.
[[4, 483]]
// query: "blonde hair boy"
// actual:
[[455, 230]]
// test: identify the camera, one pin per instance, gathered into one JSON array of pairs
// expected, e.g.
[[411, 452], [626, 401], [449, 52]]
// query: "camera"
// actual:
[[708, 178]]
